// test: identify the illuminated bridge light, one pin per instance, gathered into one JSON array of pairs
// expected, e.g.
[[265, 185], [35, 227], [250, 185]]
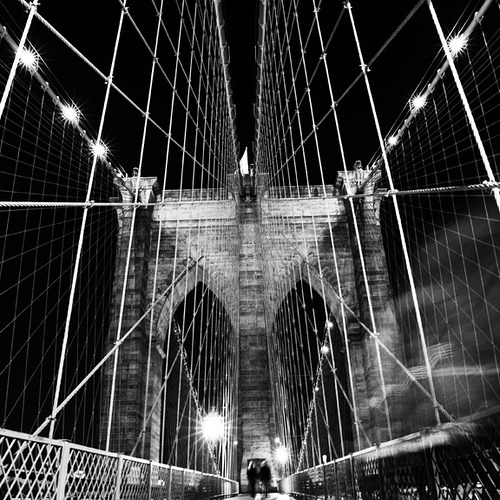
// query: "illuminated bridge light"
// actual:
[[418, 102], [393, 140], [71, 114], [99, 150], [457, 44], [212, 426], [29, 59], [281, 454]]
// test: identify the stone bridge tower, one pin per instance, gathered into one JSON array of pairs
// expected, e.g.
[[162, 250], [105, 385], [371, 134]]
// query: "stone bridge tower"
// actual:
[[186, 221]]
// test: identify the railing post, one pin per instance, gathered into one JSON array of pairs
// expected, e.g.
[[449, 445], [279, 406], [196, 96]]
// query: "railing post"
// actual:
[[63, 472], [325, 486], [118, 481], [353, 479], [380, 467], [336, 474], [182, 493], [150, 481], [431, 472], [169, 482]]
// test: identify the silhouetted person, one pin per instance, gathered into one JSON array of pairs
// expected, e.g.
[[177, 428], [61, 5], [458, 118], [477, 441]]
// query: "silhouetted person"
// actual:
[[252, 477], [265, 477]]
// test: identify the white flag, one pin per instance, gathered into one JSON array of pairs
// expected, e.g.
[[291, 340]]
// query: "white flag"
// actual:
[[244, 163]]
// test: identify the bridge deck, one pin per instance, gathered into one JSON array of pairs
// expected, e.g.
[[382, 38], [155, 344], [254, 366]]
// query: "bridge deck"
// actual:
[[271, 496]]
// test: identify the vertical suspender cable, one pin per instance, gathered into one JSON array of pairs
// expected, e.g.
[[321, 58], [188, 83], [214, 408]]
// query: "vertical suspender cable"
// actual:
[[260, 83], [225, 68], [155, 279], [76, 268], [131, 236], [339, 285], [399, 221], [168, 339]]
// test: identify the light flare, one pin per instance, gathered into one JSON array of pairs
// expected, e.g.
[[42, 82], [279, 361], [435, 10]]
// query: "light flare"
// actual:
[[212, 426], [457, 44], [393, 140], [70, 113], [29, 59], [281, 454], [418, 102], [99, 150]]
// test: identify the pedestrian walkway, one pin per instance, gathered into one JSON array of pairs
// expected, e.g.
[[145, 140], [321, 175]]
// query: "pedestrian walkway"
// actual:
[[271, 496]]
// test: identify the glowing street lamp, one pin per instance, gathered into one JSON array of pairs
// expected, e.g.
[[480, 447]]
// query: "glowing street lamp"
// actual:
[[418, 102], [393, 140], [29, 59], [70, 114], [212, 426], [457, 44], [281, 454], [99, 150]]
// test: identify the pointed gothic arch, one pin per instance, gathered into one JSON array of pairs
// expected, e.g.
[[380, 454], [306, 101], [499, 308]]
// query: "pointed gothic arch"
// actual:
[[169, 304], [304, 271], [177, 328]]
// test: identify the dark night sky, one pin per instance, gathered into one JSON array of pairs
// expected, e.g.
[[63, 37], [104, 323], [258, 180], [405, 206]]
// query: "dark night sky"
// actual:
[[242, 32], [394, 76]]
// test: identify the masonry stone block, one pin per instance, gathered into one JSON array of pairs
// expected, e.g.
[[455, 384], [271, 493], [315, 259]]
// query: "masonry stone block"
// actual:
[[241, 268]]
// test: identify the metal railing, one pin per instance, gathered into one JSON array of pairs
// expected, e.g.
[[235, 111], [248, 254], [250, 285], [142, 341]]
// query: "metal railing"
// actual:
[[37, 468], [452, 461]]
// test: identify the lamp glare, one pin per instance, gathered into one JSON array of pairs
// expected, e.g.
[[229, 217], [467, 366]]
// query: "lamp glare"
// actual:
[[457, 44], [418, 102], [213, 426], [281, 454], [99, 150], [29, 59], [70, 114]]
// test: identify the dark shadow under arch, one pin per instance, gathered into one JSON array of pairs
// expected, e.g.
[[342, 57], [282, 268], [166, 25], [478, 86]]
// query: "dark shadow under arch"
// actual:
[[303, 323], [198, 344]]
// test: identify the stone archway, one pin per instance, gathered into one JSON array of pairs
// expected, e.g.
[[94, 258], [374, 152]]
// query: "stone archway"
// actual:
[[166, 354], [303, 271], [166, 307]]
